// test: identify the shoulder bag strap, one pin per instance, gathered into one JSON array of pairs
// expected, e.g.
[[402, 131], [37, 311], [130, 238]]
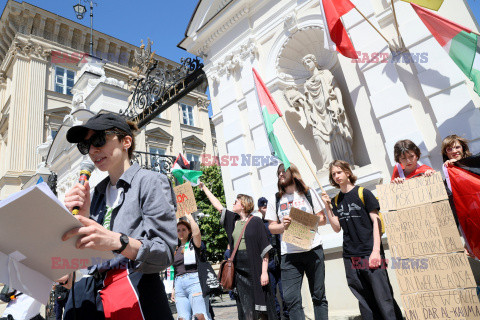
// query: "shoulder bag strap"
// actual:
[[240, 239]]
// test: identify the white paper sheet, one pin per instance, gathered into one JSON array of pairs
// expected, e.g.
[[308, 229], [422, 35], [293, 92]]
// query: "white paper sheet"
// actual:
[[32, 253]]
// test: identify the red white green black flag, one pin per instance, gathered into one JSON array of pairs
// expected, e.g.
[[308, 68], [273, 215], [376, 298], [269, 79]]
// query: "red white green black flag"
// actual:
[[460, 43], [271, 113]]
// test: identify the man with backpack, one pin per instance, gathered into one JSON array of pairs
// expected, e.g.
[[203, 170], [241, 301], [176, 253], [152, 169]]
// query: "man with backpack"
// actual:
[[355, 211], [296, 261]]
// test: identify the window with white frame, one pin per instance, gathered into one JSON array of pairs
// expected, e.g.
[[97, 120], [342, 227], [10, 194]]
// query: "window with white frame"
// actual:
[[187, 114], [155, 161], [64, 79], [193, 157]]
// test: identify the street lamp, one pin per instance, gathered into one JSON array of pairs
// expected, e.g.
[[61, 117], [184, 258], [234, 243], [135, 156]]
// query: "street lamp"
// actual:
[[80, 11]]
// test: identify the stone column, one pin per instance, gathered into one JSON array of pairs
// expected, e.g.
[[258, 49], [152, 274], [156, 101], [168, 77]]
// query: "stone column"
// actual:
[[35, 112], [17, 126], [26, 111]]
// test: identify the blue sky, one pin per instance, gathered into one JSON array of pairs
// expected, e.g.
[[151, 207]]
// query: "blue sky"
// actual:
[[164, 21]]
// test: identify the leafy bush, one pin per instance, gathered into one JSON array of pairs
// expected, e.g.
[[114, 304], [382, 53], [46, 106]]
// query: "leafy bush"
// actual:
[[213, 234]]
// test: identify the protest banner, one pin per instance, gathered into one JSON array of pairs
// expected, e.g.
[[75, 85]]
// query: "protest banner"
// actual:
[[412, 192], [433, 273], [302, 229], [458, 304], [185, 199]]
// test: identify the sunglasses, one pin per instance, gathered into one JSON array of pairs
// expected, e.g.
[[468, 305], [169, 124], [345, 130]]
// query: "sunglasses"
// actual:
[[454, 148], [98, 140]]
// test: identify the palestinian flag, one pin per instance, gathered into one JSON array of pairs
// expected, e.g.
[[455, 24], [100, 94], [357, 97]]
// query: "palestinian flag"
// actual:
[[332, 11], [181, 171], [464, 180], [271, 113], [459, 42], [430, 4]]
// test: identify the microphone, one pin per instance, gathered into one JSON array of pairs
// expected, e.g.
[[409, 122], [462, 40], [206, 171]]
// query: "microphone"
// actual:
[[86, 168]]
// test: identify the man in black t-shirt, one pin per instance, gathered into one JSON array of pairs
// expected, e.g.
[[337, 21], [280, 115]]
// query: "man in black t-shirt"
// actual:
[[355, 211]]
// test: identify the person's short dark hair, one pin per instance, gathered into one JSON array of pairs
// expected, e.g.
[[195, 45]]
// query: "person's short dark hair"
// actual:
[[262, 202], [345, 166], [403, 146]]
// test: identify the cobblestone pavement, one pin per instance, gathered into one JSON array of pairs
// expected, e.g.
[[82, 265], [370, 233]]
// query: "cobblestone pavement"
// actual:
[[224, 309]]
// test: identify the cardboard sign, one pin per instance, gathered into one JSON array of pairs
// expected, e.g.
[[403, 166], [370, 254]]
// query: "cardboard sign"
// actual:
[[422, 230], [302, 229], [433, 273], [412, 192], [185, 199], [437, 272], [458, 304]]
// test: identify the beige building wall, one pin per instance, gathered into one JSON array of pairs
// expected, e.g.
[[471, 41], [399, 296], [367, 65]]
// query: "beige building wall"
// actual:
[[34, 43]]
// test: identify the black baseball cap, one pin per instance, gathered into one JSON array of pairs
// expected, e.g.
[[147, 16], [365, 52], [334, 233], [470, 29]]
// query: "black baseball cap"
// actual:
[[99, 122], [262, 202]]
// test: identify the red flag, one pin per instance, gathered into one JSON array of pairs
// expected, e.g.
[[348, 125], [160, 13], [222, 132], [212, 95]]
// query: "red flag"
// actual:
[[334, 10], [465, 186]]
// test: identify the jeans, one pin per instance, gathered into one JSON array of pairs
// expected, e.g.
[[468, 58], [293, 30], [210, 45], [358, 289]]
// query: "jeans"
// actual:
[[294, 266], [58, 308], [188, 296]]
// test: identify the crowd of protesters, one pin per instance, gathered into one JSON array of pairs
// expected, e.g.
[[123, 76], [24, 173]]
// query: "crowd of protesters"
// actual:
[[132, 213]]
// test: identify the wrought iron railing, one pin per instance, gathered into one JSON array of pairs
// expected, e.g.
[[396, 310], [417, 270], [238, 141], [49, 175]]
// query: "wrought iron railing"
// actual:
[[154, 162], [161, 87]]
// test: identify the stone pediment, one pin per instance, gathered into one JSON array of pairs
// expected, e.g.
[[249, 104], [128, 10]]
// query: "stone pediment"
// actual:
[[194, 141], [204, 12], [62, 111], [159, 133]]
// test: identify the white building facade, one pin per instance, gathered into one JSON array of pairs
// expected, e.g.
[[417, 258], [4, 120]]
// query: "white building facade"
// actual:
[[422, 96]]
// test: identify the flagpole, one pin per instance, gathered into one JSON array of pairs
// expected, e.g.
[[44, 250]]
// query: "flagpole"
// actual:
[[396, 22], [366, 19], [304, 156]]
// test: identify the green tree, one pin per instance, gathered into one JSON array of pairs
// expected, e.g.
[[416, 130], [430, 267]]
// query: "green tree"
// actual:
[[213, 234]]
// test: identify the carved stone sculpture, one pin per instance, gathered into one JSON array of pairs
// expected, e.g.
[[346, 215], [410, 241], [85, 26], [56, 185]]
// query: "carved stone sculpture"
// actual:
[[323, 106]]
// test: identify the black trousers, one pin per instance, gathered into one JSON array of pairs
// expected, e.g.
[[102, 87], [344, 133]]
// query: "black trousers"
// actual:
[[372, 289]]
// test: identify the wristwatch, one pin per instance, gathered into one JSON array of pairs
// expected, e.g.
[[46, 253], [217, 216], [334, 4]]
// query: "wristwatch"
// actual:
[[124, 241]]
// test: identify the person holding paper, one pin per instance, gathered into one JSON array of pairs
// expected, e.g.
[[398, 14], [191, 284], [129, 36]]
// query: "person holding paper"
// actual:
[[406, 154], [187, 290], [132, 213], [355, 211], [254, 298], [296, 261]]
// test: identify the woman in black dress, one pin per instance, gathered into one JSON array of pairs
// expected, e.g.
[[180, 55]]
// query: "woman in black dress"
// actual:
[[254, 299]]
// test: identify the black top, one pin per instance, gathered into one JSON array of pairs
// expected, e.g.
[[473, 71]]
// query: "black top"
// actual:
[[355, 221], [257, 247], [178, 265], [274, 256]]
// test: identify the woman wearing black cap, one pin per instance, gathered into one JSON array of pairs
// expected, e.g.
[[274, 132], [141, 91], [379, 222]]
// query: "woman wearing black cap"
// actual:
[[131, 213]]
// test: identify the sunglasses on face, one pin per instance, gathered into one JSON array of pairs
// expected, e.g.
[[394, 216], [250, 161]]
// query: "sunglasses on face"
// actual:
[[98, 140], [454, 148]]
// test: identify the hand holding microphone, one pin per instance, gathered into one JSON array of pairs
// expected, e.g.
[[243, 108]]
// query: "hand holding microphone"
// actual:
[[77, 200]]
